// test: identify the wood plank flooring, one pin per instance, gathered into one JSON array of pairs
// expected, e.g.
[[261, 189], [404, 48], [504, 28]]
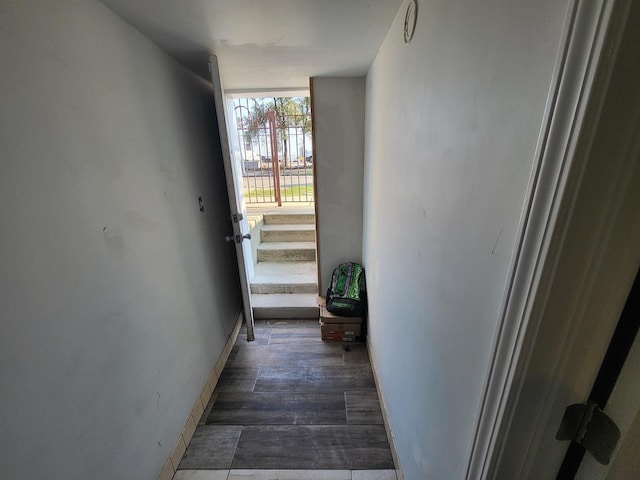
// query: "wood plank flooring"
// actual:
[[290, 401]]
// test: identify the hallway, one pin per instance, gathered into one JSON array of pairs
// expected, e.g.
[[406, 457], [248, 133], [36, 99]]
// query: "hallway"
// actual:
[[289, 401], [452, 166]]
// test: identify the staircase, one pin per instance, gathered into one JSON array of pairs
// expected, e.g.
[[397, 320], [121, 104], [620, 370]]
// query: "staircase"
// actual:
[[285, 281]]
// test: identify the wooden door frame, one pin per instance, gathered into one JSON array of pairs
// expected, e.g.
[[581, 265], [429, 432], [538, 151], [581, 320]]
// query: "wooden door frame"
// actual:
[[548, 316], [315, 188]]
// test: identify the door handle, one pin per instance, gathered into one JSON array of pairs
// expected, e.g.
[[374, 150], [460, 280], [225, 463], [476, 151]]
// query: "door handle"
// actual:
[[237, 238]]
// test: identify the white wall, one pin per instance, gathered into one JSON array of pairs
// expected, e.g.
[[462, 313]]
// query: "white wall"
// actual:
[[451, 128], [116, 294], [338, 124]]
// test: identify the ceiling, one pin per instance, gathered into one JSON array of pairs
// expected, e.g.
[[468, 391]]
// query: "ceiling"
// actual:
[[265, 44]]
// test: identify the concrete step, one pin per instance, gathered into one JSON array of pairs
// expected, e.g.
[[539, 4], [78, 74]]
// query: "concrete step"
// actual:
[[295, 305], [283, 288], [288, 233], [287, 252], [291, 216], [286, 277]]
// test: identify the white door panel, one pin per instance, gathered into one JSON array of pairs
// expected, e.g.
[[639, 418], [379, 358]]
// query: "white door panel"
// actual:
[[233, 176]]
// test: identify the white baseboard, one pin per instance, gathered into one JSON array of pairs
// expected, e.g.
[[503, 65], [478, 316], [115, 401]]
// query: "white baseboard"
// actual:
[[170, 466], [387, 424]]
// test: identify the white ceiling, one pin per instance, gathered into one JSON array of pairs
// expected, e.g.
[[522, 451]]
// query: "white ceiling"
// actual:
[[265, 44]]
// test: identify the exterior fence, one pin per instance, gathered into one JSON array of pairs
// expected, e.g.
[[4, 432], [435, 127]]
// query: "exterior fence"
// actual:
[[275, 147]]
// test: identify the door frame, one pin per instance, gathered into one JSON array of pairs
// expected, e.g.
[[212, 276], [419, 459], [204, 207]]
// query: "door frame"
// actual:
[[315, 188], [235, 200], [574, 243], [610, 379]]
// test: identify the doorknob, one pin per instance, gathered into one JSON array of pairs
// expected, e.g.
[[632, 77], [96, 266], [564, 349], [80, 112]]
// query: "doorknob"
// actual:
[[237, 238]]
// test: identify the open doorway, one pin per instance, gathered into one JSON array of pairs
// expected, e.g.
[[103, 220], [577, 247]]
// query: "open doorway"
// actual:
[[271, 140]]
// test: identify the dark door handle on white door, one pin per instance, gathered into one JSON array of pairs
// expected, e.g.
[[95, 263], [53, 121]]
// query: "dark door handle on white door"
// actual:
[[237, 238]]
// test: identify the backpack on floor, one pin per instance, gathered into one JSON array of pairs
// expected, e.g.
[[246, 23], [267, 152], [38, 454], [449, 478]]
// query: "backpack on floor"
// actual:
[[346, 295]]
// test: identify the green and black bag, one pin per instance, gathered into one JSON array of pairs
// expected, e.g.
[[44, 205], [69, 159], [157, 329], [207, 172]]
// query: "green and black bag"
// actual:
[[347, 293]]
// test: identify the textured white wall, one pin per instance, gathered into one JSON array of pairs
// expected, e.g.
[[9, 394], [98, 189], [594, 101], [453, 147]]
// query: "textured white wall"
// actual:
[[116, 294], [451, 128], [338, 116]]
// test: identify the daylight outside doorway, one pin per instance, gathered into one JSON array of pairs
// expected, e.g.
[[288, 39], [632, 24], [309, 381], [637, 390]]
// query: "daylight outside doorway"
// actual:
[[272, 141], [273, 136]]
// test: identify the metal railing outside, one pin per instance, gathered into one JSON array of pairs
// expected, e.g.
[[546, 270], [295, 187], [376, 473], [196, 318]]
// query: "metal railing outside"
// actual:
[[275, 146]]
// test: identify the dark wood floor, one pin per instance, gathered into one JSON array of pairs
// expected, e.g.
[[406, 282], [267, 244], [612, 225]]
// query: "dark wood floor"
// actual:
[[290, 401]]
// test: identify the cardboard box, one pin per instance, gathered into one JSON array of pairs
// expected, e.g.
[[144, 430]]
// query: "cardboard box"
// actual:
[[343, 329], [338, 338], [340, 332]]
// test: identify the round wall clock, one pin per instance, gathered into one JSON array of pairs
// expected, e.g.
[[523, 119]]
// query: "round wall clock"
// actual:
[[410, 20]]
